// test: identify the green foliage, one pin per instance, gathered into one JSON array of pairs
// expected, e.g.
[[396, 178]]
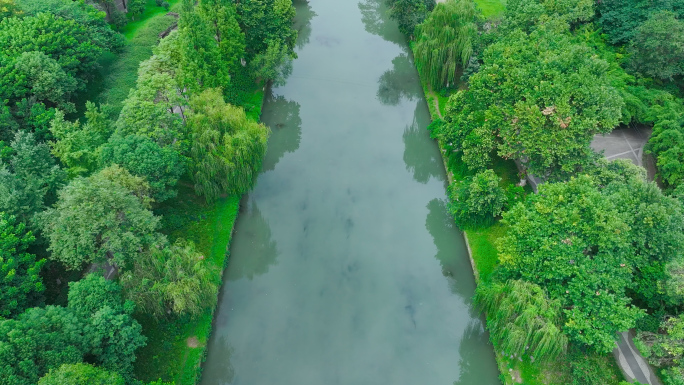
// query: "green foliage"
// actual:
[[20, 282], [527, 14], [201, 63], [81, 374], [8, 8], [69, 43], [39, 340], [77, 145], [540, 99], [657, 49], [30, 179], [445, 41], [112, 332], [666, 349], [667, 139], [656, 233], [269, 36], [97, 219], [522, 319], [589, 368], [173, 279], [226, 148], [410, 13], [221, 17], [136, 7], [160, 166], [477, 200], [570, 240], [621, 19]]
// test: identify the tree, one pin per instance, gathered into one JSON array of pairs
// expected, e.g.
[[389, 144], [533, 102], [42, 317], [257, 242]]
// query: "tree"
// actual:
[[136, 7], [39, 77], [656, 234], [221, 17], [201, 64], [29, 181], [527, 14], [20, 281], [8, 8], [66, 41], [39, 340], [620, 19], [81, 374], [666, 349], [172, 279], [477, 200], [97, 219], [76, 144], [160, 166], [113, 333], [226, 148], [410, 13], [571, 240], [539, 99], [522, 319], [657, 49], [445, 41]]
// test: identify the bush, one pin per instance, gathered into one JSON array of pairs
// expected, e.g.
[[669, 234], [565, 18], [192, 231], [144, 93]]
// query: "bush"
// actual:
[[478, 200], [589, 368]]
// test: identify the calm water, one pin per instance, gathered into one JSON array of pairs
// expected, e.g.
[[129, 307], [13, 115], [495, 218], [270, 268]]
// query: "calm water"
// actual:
[[345, 267]]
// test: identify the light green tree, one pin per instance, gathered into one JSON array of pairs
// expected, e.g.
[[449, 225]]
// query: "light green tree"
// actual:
[[226, 148], [81, 374], [445, 41], [477, 200]]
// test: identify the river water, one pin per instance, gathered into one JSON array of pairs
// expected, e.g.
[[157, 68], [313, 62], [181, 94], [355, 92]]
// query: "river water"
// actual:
[[345, 267]]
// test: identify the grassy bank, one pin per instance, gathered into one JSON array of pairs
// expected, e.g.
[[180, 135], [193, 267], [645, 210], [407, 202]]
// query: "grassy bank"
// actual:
[[118, 72]]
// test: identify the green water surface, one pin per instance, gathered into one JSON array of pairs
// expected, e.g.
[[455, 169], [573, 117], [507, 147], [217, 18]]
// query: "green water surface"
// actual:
[[345, 266]]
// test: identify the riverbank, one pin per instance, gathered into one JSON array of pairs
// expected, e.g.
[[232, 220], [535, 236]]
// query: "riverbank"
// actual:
[[481, 244]]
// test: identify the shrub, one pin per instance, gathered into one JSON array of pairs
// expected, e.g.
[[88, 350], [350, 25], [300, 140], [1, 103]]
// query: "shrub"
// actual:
[[477, 201]]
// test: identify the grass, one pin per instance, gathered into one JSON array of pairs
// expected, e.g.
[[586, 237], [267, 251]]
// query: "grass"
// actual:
[[491, 7], [118, 73]]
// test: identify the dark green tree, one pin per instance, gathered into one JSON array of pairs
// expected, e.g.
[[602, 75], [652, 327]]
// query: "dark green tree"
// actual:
[[20, 281], [39, 340], [110, 328], [538, 98], [657, 48], [571, 240], [160, 166], [478, 200], [620, 19], [410, 13]]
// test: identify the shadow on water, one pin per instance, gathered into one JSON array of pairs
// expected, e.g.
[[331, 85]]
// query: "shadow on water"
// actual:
[[420, 156], [302, 22], [474, 345], [399, 82], [448, 241], [282, 116], [225, 374], [256, 241], [374, 15]]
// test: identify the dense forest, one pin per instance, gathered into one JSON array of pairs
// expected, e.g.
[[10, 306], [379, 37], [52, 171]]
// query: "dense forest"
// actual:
[[83, 184], [599, 249]]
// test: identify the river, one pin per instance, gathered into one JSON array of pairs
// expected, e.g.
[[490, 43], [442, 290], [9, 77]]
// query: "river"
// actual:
[[345, 266]]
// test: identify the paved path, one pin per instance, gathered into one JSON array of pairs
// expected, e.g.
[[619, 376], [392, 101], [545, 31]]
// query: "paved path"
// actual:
[[624, 143], [633, 366]]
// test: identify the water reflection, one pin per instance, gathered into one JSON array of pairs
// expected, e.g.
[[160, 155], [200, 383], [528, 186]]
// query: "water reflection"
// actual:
[[449, 243], [302, 22], [474, 345], [420, 156], [254, 241], [225, 373], [399, 82], [374, 15], [282, 116]]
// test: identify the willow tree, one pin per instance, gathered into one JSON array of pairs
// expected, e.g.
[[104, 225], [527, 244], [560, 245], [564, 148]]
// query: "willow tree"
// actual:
[[172, 279], [226, 148], [445, 41], [522, 319]]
